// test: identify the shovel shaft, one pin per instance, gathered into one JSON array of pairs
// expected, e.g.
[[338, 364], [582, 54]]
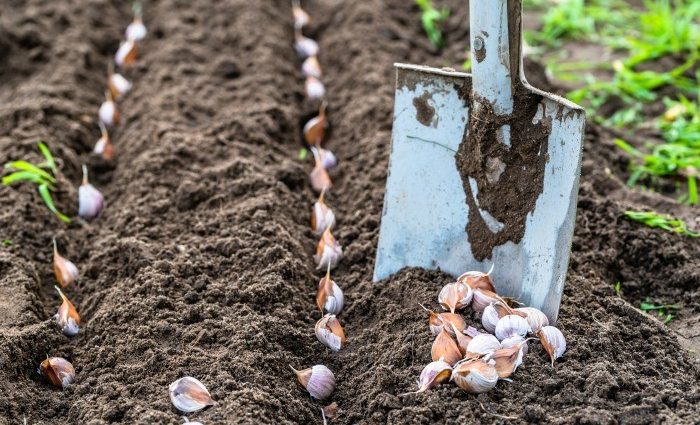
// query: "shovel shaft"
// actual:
[[495, 33]]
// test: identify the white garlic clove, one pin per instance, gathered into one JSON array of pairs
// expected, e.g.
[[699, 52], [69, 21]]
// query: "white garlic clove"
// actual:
[[104, 146], [455, 296], [319, 381], [322, 217], [108, 113], [305, 46], [328, 159], [126, 54], [482, 298], [511, 325], [516, 340], [329, 297], [311, 67], [301, 18], [483, 344], [434, 374], [189, 395], [136, 30], [65, 271], [553, 342], [328, 251], [478, 280], [489, 318], [67, 317], [314, 88], [330, 332], [58, 371], [319, 178], [535, 318], [506, 360], [445, 348], [475, 376], [118, 85], [90, 200]]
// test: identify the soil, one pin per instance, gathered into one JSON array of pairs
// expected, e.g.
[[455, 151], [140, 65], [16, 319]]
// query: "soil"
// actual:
[[201, 263]]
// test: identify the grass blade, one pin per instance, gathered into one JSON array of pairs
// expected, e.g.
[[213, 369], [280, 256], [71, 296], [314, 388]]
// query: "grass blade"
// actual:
[[48, 200]]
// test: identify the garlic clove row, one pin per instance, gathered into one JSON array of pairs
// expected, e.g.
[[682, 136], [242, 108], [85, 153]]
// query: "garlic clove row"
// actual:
[[90, 200], [65, 271], [330, 332], [58, 371], [328, 251], [511, 325], [189, 395], [475, 376], [553, 342], [455, 296], [318, 380], [445, 348], [67, 317]]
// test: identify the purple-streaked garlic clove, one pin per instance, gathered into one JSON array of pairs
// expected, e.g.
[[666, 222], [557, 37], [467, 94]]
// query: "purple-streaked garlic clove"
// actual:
[[67, 317], [305, 47], [58, 371], [475, 376], [329, 296], [318, 380], [190, 395], [553, 342], [328, 251], [330, 332], [322, 216], [90, 200], [65, 271], [455, 296], [511, 325]]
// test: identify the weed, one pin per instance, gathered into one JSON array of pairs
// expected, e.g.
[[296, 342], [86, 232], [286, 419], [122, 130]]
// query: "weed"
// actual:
[[661, 221], [665, 311], [39, 175], [431, 19], [6, 242], [618, 288]]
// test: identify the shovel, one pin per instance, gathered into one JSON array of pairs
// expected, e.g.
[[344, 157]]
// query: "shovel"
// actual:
[[484, 169]]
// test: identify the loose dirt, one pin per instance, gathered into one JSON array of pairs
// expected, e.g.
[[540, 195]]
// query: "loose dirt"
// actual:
[[201, 263]]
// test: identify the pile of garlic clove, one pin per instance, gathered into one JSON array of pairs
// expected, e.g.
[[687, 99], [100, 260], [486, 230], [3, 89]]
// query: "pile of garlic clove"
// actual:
[[476, 360]]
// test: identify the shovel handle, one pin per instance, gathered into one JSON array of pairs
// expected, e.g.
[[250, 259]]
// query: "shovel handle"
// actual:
[[495, 31]]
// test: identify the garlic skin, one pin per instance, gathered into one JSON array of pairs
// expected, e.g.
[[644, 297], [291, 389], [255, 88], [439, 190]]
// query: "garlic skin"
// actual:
[[462, 340], [136, 30], [108, 113], [315, 128], [330, 333], [489, 318], [535, 318], [104, 146], [58, 371], [475, 376], [483, 344], [478, 280], [314, 88], [328, 251], [90, 200], [301, 18], [516, 340], [506, 360], [511, 325], [319, 381], [311, 67], [322, 217], [482, 298], [553, 342], [126, 54], [67, 317], [449, 321], [434, 374], [305, 46], [118, 85], [65, 271], [329, 297], [189, 395], [455, 296], [445, 348]]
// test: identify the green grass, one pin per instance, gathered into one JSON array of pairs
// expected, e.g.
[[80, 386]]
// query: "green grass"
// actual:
[[664, 311], [431, 18], [661, 221], [42, 175]]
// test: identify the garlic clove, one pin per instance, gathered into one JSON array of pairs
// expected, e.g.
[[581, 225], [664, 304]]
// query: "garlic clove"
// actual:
[[330, 332], [475, 376], [315, 128], [136, 30], [434, 374], [319, 178], [553, 342], [104, 146], [301, 18], [90, 200], [58, 371], [108, 113], [189, 395], [535, 318], [482, 298], [506, 360], [314, 88], [462, 339], [329, 297], [478, 280], [489, 318], [328, 251], [65, 271], [67, 316], [126, 54], [437, 321], [118, 85], [455, 296], [445, 348], [483, 344], [511, 325], [516, 340], [305, 46], [311, 67], [322, 216], [319, 381], [328, 159]]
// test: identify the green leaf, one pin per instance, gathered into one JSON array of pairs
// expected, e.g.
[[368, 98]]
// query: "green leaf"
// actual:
[[48, 200], [19, 176], [303, 153], [26, 166], [50, 163]]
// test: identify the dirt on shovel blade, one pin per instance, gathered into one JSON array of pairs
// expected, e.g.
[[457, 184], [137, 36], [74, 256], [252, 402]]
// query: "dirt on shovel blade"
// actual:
[[201, 263]]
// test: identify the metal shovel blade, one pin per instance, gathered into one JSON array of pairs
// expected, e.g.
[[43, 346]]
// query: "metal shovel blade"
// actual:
[[484, 169]]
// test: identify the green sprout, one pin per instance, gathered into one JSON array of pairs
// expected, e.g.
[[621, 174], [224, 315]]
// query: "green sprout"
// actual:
[[431, 19], [618, 288], [6, 242], [661, 221], [42, 175], [665, 311]]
